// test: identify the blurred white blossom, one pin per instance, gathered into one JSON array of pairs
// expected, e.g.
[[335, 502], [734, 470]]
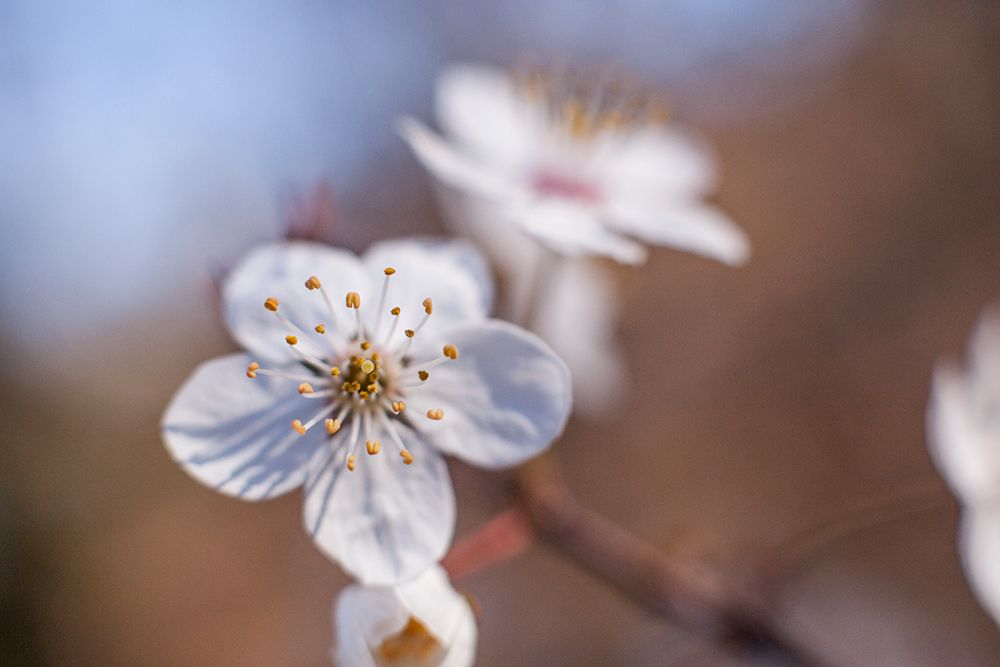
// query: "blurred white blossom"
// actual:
[[417, 370], [964, 428], [421, 623], [587, 166]]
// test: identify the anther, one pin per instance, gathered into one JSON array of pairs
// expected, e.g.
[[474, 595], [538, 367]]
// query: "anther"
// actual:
[[321, 328], [271, 304], [394, 312], [398, 406], [451, 351], [305, 388], [291, 340], [372, 389], [423, 375], [428, 306], [313, 283], [436, 414], [298, 427], [350, 462], [410, 333], [407, 456], [353, 300], [252, 370], [367, 366], [365, 345], [332, 426], [335, 371], [373, 447], [389, 271]]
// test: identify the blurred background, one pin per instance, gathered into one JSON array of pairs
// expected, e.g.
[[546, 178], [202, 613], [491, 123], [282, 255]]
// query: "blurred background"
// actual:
[[145, 146]]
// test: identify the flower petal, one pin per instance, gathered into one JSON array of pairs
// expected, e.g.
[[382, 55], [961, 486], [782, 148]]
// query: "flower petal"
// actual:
[[368, 615], [574, 230], [981, 554], [478, 107], [691, 226], [656, 160], [451, 273], [385, 522], [456, 169], [577, 315], [505, 399], [232, 433], [965, 453], [280, 270]]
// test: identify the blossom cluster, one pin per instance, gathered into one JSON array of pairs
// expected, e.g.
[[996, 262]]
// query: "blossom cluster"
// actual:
[[359, 375]]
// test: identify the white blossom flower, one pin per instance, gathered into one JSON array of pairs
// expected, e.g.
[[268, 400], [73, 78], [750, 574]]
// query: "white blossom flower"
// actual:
[[587, 167], [421, 623], [964, 429], [356, 397]]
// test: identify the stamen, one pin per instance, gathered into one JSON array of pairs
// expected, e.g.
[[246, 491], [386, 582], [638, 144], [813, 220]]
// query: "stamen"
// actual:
[[271, 304], [398, 406], [373, 447], [394, 434], [301, 428], [407, 456], [313, 283], [335, 371], [365, 345], [278, 374], [320, 328], [451, 351], [436, 414], [353, 300], [355, 429], [389, 271], [298, 427], [291, 340], [332, 426], [428, 306], [395, 323], [423, 375], [350, 462], [306, 388], [252, 370]]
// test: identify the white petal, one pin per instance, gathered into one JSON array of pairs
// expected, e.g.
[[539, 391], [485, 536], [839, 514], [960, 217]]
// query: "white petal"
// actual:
[[456, 169], [984, 362], [368, 615], [577, 315], [981, 553], [574, 230], [280, 270], [659, 161], [505, 399], [691, 226], [233, 434], [478, 107], [385, 522], [363, 617], [451, 273], [967, 455]]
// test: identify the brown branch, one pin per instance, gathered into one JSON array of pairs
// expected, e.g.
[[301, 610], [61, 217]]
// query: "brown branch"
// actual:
[[687, 593]]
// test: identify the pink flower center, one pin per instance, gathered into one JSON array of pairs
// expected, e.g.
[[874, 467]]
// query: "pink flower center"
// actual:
[[552, 184]]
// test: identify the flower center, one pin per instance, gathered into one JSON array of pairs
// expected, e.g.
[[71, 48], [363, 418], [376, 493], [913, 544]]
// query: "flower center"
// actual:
[[584, 105], [361, 385], [413, 645]]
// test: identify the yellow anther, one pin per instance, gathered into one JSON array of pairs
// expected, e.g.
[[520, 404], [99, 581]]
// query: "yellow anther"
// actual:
[[306, 388], [375, 357], [410, 333], [332, 426], [363, 394], [298, 427], [428, 306], [350, 462], [398, 406], [335, 371], [365, 345], [407, 456], [353, 300], [373, 447], [321, 328], [367, 366], [451, 351], [389, 271], [252, 370], [394, 312], [313, 283], [372, 389], [423, 375], [291, 340], [435, 414], [271, 304]]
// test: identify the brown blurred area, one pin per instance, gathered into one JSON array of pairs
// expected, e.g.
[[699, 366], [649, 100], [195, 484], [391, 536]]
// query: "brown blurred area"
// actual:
[[777, 417]]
